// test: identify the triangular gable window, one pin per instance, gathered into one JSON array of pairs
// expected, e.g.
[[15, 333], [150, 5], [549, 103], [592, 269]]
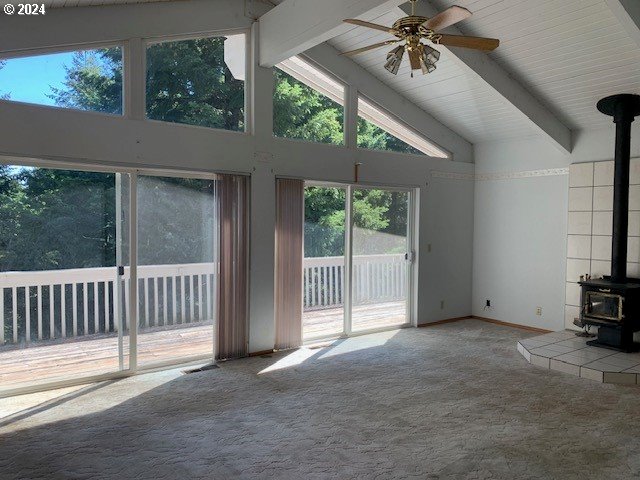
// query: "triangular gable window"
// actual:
[[377, 130]]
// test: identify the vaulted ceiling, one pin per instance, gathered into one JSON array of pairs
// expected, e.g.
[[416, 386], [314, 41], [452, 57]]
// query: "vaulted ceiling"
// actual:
[[567, 53]]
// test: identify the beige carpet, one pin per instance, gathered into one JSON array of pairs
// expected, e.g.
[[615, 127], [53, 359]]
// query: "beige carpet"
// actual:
[[446, 402]]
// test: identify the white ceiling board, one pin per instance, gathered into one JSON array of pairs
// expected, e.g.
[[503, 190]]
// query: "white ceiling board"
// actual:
[[452, 94], [568, 53]]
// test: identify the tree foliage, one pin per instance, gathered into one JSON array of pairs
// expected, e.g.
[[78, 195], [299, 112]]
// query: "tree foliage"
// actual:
[[302, 113], [189, 82], [93, 81]]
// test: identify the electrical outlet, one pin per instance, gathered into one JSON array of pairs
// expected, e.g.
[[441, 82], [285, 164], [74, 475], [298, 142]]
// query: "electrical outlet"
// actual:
[[441, 304], [539, 311]]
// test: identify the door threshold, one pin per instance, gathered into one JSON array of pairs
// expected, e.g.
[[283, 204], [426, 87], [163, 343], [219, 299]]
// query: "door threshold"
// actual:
[[359, 333]]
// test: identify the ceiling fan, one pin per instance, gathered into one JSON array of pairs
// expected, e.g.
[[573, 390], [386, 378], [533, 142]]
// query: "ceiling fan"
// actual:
[[413, 28]]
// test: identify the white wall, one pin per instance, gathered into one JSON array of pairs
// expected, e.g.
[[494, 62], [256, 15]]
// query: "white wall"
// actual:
[[446, 246], [520, 225]]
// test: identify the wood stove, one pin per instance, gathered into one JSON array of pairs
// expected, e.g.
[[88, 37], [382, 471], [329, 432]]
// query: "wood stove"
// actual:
[[613, 303], [614, 308]]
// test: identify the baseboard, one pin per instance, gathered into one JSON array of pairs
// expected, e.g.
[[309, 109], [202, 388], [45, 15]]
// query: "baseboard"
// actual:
[[263, 352], [446, 320], [512, 325], [488, 320]]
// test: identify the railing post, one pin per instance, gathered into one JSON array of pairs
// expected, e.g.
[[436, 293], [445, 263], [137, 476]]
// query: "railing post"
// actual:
[[74, 307], [96, 315], [39, 312], [52, 325], [164, 299], [63, 310], [27, 314], [147, 323], [85, 307], [106, 307], [14, 305]]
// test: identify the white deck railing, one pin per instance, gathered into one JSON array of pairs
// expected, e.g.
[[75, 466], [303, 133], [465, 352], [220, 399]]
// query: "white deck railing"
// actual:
[[374, 278], [76, 302], [53, 304]]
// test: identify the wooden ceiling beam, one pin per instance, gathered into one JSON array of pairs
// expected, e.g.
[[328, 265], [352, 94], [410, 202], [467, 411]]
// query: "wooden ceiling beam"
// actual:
[[628, 14], [297, 25]]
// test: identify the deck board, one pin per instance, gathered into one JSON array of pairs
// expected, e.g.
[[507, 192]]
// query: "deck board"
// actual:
[[317, 323]]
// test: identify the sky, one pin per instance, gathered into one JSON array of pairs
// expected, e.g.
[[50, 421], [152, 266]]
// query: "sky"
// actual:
[[30, 79]]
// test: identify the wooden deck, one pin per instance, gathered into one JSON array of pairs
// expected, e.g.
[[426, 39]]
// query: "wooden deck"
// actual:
[[316, 323], [95, 355]]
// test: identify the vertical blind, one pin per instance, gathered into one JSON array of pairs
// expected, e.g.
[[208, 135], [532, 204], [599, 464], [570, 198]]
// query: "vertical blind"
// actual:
[[289, 258], [231, 338]]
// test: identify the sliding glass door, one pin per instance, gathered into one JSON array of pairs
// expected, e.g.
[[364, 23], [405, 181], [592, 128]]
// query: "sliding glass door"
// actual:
[[177, 225], [104, 272], [357, 265], [380, 258]]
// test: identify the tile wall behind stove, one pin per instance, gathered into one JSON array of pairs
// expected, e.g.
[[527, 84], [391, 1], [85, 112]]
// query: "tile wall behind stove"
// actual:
[[589, 227]]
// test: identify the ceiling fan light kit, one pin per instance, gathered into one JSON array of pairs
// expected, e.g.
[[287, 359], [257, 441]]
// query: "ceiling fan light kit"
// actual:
[[412, 29], [394, 59]]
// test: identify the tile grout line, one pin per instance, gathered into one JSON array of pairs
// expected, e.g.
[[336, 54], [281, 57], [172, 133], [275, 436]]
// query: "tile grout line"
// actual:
[[621, 369]]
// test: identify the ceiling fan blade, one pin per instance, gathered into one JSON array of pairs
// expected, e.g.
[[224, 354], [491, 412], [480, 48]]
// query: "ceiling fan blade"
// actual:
[[479, 43], [414, 59], [447, 18], [375, 26], [370, 47]]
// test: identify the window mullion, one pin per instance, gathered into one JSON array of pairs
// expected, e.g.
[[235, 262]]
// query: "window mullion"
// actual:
[[351, 117], [134, 75]]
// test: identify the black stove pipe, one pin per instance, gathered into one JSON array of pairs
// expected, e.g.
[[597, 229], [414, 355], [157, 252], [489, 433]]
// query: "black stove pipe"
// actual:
[[623, 108]]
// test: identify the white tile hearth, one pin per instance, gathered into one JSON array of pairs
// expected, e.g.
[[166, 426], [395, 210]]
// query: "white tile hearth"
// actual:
[[565, 352]]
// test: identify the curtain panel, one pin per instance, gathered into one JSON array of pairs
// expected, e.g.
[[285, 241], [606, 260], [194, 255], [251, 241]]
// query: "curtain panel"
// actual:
[[289, 258], [232, 292]]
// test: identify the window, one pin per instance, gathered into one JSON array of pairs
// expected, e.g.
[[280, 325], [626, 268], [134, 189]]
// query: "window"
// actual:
[[308, 104], [377, 130], [198, 82], [82, 79]]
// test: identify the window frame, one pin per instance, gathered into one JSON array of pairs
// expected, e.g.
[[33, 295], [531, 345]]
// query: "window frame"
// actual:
[[150, 41], [68, 49], [438, 151]]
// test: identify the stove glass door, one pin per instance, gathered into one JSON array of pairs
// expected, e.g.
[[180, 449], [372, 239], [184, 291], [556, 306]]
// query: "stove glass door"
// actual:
[[606, 306]]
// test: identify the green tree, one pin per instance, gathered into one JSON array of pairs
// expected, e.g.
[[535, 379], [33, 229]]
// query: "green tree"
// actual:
[[374, 138], [302, 113], [56, 219], [93, 82], [189, 82]]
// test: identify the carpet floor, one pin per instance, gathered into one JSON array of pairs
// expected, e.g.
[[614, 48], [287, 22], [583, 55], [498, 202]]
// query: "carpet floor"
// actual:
[[453, 401]]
